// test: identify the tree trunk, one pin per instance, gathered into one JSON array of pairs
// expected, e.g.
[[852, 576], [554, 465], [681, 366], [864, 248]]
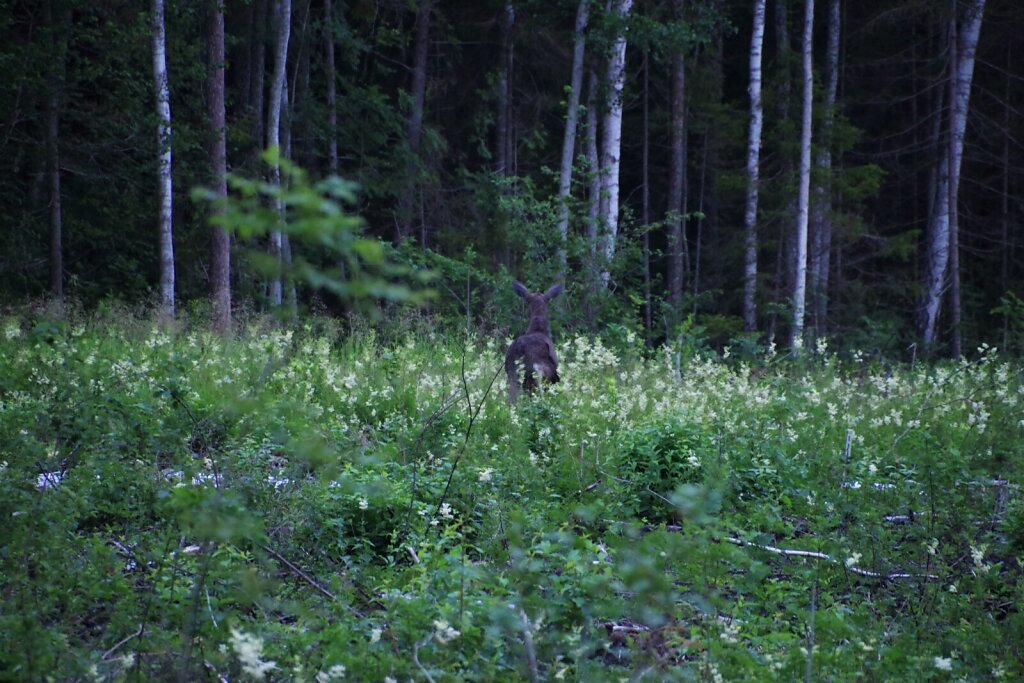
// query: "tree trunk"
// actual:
[[503, 133], [258, 64], [332, 91], [164, 187], [784, 252], [569, 138], [803, 199], [283, 17], [612, 142], [948, 176], [415, 124], [646, 199], [1006, 242], [220, 268], [821, 215], [53, 157], [753, 166], [593, 203], [674, 219]]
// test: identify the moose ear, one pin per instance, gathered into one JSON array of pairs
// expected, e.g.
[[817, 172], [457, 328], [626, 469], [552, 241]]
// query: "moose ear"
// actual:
[[553, 292], [520, 289]]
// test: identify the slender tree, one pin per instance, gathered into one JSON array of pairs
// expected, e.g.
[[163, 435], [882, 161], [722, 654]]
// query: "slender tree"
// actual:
[[503, 142], [753, 167], [948, 175], [611, 147], [821, 209], [332, 90], [56, 80], [283, 22], [674, 219], [784, 251], [414, 130], [645, 164], [569, 137], [803, 199], [220, 270], [164, 186], [594, 186]]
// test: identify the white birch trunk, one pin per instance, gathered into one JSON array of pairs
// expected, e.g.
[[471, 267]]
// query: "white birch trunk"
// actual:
[[612, 142], [569, 139], [939, 231], [163, 111], [821, 211], [803, 199], [753, 169], [283, 17]]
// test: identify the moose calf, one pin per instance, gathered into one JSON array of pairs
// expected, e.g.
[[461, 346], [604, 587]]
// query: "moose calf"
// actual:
[[534, 348]]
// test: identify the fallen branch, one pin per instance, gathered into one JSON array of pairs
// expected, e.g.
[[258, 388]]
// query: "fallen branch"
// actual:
[[117, 646], [811, 554], [531, 654], [416, 657], [302, 574]]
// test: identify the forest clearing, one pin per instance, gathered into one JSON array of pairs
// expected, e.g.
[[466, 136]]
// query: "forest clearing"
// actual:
[[511, 340], [297, 504]]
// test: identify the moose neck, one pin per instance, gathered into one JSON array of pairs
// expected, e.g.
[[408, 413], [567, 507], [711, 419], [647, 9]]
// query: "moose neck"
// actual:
[[539, 323]]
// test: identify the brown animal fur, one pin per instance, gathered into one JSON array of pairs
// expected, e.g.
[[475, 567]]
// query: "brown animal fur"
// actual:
[[534, 349]]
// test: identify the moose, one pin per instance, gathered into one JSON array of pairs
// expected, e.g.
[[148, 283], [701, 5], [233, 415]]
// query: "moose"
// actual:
[[534, 348]]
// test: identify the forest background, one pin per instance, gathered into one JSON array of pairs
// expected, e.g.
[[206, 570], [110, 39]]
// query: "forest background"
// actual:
[[452, 120]]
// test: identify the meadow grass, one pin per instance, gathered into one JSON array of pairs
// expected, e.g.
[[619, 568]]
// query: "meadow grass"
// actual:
[[311, 504]]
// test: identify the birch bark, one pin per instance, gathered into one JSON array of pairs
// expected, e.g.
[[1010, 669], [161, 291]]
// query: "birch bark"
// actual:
[[753, 168], [948, 176], [569, 138], [803, 198], [164, 185], [612, 141], [277, 85]]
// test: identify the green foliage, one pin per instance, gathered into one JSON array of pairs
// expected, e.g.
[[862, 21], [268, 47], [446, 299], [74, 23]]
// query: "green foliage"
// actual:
[[359, 270], [291, 501]]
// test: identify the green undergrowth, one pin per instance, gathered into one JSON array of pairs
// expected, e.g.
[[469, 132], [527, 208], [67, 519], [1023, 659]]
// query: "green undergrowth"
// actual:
[[307, 504]]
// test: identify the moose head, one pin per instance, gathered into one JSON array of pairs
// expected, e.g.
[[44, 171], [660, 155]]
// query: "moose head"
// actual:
[[534, 349]]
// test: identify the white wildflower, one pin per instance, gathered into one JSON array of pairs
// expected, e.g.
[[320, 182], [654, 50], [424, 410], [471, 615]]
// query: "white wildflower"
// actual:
[[249, 650], [335, 673], [943, 663], [853, 559], [443, 632], [364, 504], [485, 474]]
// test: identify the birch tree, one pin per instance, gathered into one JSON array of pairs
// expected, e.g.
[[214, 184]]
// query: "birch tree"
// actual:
[[753, 168], [940, 231], [612, 131], [674, 219], [569, 138], [220, 268], [283, 16], [821, 210], [803, 198], [164, 187]]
